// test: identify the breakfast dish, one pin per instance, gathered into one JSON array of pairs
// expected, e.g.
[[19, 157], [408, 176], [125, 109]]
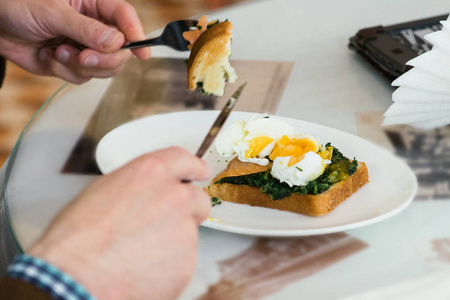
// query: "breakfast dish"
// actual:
[[391, 189], [276, 168], [224, 187], [208, 66]]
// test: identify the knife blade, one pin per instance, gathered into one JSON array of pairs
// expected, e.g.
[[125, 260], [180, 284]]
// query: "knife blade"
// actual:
[[220, 120]]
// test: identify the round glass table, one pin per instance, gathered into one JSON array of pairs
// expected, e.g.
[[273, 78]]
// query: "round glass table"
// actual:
[[294, 55]]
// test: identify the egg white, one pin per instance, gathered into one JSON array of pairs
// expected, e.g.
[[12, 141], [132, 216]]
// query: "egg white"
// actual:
[[236, 138], [306, 170], [229, 137]]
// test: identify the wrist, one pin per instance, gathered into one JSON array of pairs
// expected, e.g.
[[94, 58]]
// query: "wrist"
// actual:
[[86, 269]]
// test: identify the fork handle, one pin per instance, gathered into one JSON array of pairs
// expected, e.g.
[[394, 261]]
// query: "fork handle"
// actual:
[[145, 43]]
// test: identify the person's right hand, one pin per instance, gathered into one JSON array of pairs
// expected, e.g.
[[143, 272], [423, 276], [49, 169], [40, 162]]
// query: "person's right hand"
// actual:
[[133, 234], [43, 37]]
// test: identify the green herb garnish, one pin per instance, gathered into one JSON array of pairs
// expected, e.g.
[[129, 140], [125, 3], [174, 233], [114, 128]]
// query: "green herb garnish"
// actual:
[[215, 201], [212, 24]]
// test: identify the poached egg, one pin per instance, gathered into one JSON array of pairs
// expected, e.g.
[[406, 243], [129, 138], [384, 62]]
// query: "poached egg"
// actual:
[[297, 159]]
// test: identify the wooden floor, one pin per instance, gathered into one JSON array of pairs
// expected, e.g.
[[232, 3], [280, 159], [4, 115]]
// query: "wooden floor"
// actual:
[[23, 93]]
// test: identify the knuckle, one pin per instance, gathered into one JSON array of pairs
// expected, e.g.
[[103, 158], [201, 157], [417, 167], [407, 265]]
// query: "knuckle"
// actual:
[[128, 7], [82, 72], [71, 76], [114, 72], [205, 209], [185, 198], [205, 200], [149, 163], [85, 27], [176, 150], [81, 80], [183, 195]]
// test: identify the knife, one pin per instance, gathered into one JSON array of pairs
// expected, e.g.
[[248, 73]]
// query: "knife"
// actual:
[[218, 123]]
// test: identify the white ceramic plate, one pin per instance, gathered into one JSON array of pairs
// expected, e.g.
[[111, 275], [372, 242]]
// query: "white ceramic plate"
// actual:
[[391, 188]]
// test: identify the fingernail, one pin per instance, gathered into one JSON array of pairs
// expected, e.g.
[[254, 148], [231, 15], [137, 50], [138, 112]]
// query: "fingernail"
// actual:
[[108, 37], [91, 61], [63, 56]]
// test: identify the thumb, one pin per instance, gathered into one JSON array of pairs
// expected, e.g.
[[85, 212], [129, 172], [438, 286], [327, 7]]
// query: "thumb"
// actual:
[[90, 32]]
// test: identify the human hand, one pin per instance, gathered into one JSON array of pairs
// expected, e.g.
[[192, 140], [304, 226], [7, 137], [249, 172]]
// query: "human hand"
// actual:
[[40, 36], [133, 234]]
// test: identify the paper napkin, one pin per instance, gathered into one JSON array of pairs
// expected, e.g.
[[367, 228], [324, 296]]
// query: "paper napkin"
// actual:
[[422, 98]]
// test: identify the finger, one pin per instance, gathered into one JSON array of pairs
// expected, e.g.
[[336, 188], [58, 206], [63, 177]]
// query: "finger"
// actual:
[[184, 165], [175, 163], [56, 68], [142, 53], [87, 31], [95, 60], [201, 203], [25, 56], [89, 63], [124, 16]]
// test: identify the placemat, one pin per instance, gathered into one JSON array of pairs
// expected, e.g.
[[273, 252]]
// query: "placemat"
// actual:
[[159, 85]]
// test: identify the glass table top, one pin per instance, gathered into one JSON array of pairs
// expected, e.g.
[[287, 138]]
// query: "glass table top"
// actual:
[[53, 158]]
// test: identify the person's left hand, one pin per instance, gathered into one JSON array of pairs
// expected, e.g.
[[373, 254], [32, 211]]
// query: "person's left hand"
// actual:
[[44, 36]]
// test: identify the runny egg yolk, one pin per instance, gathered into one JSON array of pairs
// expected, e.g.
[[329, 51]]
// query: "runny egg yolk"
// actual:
[[257, 145], [296, 148], [326, 153]]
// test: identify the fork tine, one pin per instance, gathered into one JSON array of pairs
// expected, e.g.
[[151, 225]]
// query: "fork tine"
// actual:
[[191, 23], [172, 35]]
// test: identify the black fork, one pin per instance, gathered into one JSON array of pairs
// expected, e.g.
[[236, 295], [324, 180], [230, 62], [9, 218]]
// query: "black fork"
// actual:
[[172, 37]]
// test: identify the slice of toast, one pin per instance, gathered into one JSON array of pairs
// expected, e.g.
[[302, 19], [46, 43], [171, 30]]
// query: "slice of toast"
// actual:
[[208, 62], [311, 205]]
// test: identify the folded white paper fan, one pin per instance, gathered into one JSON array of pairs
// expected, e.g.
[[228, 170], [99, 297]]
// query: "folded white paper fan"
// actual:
[[422, 98]]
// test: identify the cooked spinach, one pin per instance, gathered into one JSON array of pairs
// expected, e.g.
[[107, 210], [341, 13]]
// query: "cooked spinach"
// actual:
[[339, 169], [200, 87]]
